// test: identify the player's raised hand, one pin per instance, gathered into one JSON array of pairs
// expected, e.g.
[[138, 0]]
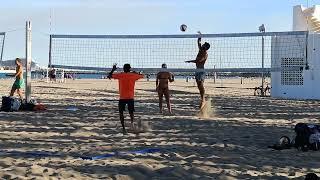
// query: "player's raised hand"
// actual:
[[114, 66]]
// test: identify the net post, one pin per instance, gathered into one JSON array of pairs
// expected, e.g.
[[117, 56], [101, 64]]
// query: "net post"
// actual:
[[262, 65], [62, 75], [28, 61], [50, 46], [4, 37], [214, 74], [49, 64], [47, 77]]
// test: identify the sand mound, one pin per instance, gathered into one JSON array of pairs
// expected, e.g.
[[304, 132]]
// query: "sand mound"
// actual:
[[142, 127], [206, 111]]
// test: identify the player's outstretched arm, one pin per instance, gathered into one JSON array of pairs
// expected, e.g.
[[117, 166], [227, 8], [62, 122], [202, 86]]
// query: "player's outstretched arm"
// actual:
[[199, 43], [199, 40], [191, 61], [114, 67]]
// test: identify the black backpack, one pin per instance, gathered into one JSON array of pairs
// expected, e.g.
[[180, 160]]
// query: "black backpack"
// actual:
[[312, 176], [28, 106], [303, 133], [10, 104]]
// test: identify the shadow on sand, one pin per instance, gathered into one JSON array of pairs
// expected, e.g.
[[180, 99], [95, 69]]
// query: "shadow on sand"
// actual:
[[229, 145]]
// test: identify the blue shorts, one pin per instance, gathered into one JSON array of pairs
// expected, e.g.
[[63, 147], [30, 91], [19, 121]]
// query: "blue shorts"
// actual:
[[200, 76]]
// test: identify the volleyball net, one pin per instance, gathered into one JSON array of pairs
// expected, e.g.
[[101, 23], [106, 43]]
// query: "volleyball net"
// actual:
[[234, 52]]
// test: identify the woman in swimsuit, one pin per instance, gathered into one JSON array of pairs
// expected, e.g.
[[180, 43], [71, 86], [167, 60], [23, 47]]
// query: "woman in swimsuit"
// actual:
[[162, 86]]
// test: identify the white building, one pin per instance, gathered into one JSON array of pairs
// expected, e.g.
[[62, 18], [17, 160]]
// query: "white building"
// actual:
[[303, 83]]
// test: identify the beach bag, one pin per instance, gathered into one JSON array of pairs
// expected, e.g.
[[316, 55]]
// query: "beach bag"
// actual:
[[10, 104], [312, 176], [307, 137], [28, 106]]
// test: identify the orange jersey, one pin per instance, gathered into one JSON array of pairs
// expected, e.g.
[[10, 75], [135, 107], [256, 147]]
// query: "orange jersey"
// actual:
[[126, 84]]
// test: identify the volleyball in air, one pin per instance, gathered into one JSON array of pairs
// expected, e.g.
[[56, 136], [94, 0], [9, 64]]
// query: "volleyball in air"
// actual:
[[183, 27]]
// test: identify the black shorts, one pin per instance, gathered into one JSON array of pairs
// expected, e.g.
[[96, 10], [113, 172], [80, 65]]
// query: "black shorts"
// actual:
[[124, 102]]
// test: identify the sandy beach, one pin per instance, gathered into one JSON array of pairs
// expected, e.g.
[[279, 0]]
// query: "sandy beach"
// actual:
[[82, 121]]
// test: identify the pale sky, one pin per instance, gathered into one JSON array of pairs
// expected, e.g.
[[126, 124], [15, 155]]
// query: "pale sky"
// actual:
[[136, 17]]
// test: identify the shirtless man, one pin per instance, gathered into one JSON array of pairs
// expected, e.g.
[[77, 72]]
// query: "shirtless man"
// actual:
[[162, 86], [19, 82], [200, 73]]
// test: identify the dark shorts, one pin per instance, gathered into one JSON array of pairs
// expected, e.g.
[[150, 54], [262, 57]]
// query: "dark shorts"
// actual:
[[124, 102], [162, 91], [200, 76]]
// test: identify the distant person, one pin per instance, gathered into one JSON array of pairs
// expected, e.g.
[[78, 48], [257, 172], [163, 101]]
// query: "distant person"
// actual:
[[53, 74], [19, 82], [62, 76], [162, 86], [200, 73], [67, 76], [50, 74], [42, 75], [127, 81]]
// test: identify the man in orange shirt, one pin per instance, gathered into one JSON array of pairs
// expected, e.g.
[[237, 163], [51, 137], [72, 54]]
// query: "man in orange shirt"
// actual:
[[127, 80]]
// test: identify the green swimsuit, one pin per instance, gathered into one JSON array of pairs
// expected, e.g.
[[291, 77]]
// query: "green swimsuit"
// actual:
[[18, 84]]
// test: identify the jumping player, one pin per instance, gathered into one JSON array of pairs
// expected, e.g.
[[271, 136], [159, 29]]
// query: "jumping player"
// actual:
[[162, 86], [127, 81], [200, 73]]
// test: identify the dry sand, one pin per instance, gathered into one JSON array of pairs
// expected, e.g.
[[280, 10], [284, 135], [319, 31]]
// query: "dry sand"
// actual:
[[231, 144]]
